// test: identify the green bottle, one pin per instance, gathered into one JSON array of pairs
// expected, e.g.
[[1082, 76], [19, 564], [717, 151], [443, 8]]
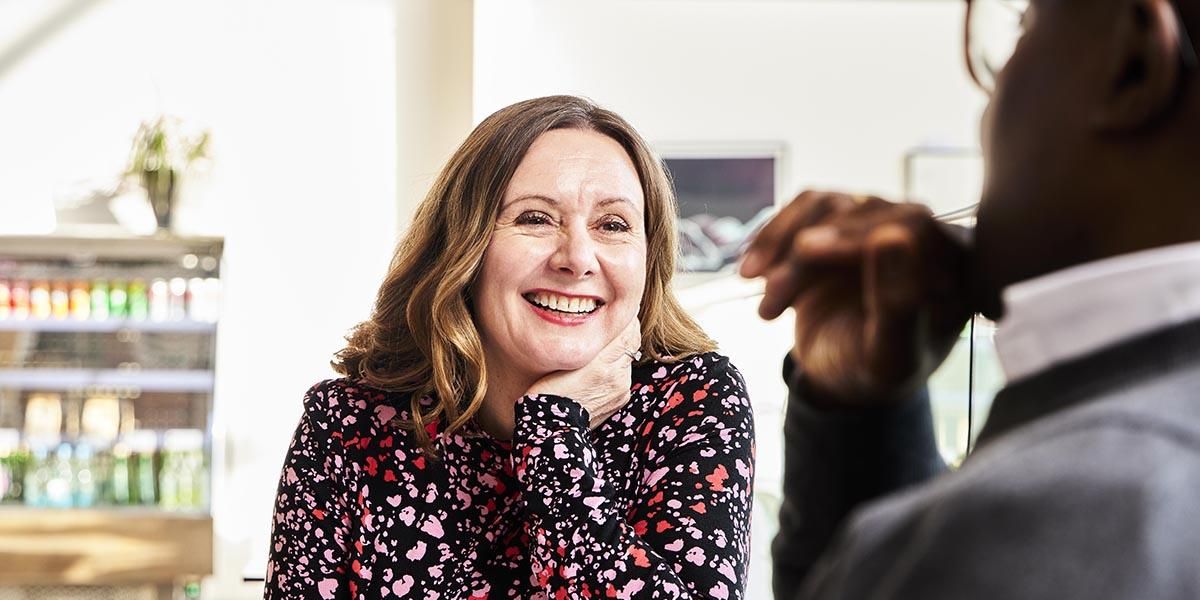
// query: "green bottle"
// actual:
[[100, 300], [138, 305], [144, 476], [120, 476], [118, 300]]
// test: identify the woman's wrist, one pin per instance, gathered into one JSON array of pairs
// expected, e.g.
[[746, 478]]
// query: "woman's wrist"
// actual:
[[537, 415]]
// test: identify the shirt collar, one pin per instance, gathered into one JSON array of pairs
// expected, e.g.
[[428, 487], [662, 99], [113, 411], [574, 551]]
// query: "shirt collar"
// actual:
[[1076, 311]]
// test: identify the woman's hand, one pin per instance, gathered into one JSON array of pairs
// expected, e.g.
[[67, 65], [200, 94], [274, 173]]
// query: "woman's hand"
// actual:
[[601, 386]]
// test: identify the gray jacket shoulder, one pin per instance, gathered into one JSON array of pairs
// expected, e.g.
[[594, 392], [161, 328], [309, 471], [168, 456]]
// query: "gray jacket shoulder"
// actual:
[[1095, 502]]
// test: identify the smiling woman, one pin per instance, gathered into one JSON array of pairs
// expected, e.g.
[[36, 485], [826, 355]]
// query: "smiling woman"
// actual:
[[497, 432]]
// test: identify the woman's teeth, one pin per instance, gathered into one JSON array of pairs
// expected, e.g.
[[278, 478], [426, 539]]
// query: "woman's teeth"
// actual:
[[562, 303]]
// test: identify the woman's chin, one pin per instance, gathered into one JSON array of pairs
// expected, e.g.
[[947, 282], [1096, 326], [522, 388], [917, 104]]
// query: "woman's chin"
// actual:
[[563, 362]]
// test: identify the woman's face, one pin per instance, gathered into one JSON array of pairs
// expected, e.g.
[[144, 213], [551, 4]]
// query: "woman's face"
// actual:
[[566, 266]]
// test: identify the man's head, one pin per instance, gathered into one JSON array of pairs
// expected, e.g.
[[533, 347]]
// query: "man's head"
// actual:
[[1090, 140]]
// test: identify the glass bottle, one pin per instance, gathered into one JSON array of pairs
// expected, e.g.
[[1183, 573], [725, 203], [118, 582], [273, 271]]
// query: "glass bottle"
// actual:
[[183, 479], [19, 291], [137, 301], [170, 479], [143, 476], [100, 300], [59, 478], [120, 483], [81, 300], [10, 472], [118, 300], [5, 300], [159, 300], [84, 490], [39, 299], [177, 301], [36, 475], [60, 300]]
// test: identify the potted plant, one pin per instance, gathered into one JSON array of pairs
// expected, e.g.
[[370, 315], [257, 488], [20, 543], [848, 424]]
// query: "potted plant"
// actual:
[[161, 153]]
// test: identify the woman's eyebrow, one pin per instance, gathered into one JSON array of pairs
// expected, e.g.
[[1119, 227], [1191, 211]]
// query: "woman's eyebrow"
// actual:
[[546, 199], [616, 199]]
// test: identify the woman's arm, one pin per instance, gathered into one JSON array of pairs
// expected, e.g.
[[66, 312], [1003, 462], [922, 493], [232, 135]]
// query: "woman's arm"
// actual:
[[687, 535], [311, 521]]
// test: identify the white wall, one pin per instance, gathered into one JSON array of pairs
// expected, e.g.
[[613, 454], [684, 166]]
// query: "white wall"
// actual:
[[300, 97], [846, 87]]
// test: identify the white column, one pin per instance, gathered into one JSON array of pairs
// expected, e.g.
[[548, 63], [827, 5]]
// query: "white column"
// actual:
[[434, 71]]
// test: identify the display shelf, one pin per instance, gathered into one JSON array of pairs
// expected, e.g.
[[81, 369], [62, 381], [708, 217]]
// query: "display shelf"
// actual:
[[54, 369], [106, 326], [102, 546], [159, 380], [87, 247]]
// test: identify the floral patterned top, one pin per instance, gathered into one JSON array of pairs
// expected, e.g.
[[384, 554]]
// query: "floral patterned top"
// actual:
[[654, 503]]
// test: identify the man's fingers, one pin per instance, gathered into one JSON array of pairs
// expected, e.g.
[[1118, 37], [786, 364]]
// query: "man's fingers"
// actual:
[[892, 297], [774, 239], [782, 288], [815, 252]]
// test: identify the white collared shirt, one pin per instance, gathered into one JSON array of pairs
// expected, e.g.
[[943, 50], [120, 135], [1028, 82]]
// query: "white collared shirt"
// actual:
[[1073, 312]]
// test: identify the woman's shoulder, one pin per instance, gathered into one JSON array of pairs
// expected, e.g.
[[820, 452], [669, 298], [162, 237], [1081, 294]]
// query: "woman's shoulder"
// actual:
[[346, 403]]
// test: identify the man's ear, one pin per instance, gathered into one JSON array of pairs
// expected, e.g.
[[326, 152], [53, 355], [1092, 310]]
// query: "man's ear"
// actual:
[[1144, 66]]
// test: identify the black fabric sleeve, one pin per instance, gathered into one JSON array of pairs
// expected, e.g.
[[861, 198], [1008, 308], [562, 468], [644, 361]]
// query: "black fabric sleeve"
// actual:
[[836, 460]]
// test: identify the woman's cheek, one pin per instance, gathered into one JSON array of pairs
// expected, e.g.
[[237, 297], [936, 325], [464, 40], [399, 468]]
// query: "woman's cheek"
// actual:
[[627, 266]]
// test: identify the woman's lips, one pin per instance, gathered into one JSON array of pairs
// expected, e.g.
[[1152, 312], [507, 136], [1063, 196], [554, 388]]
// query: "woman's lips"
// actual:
[[563, 318], [563, 303]]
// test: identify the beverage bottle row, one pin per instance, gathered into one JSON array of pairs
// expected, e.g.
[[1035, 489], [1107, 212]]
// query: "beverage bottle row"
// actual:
[[135, 471], [159, 299]]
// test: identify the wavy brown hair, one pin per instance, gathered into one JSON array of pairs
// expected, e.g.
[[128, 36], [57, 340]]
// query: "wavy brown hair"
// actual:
[[421, 337]]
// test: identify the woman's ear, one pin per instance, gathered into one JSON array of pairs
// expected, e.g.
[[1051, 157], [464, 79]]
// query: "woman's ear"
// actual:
[[1143, 66]]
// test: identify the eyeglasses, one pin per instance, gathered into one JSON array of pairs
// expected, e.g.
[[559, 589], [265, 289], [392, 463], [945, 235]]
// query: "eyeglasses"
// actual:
[[993, 29], [995, 26]]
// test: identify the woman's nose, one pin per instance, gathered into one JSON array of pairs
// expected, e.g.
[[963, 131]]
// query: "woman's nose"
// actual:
[[576, 253]]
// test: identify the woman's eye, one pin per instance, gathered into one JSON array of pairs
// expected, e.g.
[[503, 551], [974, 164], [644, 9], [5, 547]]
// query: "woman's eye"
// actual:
[[615, 225], [533, 218]]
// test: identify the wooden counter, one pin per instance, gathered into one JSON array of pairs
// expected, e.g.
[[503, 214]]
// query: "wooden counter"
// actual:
[[102, 546]]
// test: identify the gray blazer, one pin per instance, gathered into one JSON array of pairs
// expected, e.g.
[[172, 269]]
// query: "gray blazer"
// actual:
[[1085, 484]]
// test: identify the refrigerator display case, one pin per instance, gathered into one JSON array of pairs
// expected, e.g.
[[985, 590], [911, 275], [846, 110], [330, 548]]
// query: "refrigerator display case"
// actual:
[[107, 350]]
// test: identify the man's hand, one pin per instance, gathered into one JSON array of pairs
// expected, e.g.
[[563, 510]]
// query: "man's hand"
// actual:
[[601, 386], [879, 290]]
